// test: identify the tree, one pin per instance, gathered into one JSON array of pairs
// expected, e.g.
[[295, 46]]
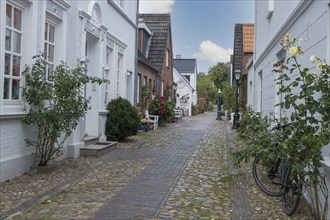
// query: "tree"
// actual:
[[56, 105], [206, 88], [228, 94], [220, 74]]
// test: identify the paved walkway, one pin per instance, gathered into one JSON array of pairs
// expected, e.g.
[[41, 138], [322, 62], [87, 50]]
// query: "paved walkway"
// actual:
[[181, 171]]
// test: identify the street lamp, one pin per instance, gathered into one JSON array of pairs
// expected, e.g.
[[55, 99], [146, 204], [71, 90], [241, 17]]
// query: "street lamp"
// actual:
[[236, 115], [219, 105]]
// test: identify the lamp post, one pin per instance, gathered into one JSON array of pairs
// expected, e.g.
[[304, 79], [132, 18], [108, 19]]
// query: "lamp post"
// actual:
[[219, 105], [236, 115]]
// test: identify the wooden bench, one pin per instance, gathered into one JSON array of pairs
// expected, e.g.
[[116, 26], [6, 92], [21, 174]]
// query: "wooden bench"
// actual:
[[152, 119], [178, 114]]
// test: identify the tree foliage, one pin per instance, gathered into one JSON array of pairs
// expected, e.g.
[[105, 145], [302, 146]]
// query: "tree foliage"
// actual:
[[219, 74], [205, 87]]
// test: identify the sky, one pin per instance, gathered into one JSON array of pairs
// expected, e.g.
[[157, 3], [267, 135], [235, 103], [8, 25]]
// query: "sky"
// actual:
[[203, 29]]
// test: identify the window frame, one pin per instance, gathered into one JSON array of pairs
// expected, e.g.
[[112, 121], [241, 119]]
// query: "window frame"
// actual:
[[12, 53], [49, 43]]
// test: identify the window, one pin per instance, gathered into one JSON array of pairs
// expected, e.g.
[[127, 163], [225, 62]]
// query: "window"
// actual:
[[119, 67], [107, 75], [150, 85], [187, 77], [49, 47], [144, 81], [13, 53], [167, 57], [162, 89]]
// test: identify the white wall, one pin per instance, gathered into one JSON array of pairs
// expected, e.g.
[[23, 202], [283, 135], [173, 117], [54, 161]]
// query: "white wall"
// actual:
[[183, 89]]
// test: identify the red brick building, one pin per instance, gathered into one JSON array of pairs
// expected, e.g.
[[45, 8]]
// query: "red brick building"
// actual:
[[156, 47], [243, 51]]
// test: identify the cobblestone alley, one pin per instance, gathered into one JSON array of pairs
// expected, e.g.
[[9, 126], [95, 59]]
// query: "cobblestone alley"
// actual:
[[181, 171]]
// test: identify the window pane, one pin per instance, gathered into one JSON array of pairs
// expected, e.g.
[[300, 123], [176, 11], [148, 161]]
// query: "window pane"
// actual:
[[17, 42], [46, 31], [6, 89], [45, 50], [17, 19], [15, 89], [51, 53], [7, 64], [51, 33], [16, 66], [8, 39], [8, 17], [50, 70]]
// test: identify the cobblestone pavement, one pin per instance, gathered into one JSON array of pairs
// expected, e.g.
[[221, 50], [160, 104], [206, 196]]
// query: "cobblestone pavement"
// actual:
[[181, 171], [204, 189]]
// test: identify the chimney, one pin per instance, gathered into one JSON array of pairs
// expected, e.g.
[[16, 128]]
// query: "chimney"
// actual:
[[178, 56]]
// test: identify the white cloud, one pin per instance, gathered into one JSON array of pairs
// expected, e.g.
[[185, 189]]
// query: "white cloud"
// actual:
[[213, 53], [156, 6]]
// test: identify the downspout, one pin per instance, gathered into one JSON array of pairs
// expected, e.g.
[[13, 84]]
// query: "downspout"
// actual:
[[136, 54]]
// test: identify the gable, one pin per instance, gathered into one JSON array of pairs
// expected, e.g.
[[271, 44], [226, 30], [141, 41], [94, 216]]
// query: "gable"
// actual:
[[185, 65]]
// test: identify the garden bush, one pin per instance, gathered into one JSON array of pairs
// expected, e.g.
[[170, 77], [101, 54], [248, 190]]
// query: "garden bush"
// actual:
[[122, 120], [163, 108], [55, 106]]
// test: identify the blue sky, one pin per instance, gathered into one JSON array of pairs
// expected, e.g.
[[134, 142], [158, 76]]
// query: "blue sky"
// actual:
[[203, 29]]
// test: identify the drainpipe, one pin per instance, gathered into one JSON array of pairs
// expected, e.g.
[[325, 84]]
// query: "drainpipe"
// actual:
[[136, 55]]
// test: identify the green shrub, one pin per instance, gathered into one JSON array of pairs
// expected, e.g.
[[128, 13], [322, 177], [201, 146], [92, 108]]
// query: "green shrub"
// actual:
[[195, 110], [254, 130], [122, 120]]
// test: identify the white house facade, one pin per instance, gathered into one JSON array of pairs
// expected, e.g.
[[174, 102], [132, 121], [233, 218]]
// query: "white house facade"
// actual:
[[305, 19], [99, 35], [184, 92], [188, 69]]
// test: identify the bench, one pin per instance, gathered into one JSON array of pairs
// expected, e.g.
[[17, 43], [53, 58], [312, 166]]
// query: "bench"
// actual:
[[178, 114], [152, 119]]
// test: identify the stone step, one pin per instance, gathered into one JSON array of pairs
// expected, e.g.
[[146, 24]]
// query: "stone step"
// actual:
[[98, 148], [90, 140]]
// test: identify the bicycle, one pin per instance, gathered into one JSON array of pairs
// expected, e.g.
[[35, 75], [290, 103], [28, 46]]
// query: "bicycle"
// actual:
[[272, 174]]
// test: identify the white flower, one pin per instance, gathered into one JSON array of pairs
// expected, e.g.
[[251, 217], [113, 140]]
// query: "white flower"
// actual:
[[320, 66], [313, 59], [294, 51], [315, 75]]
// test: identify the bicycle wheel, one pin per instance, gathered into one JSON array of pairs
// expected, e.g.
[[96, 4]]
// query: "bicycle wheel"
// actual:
[[291, 198], [267, 173]]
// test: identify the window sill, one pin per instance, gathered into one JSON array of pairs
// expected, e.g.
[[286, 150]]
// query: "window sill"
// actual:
[[13, 115]]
